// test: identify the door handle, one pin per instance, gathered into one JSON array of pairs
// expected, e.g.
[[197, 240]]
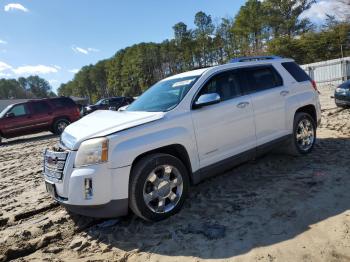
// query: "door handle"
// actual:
[[284, 93], [242, 104]]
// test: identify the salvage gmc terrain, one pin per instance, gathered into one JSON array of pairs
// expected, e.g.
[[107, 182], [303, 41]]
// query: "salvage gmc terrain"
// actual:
[[181, 130]]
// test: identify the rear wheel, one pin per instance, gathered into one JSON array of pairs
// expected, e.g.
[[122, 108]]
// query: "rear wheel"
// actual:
[[304, 134], [158, 187], [59, 126]]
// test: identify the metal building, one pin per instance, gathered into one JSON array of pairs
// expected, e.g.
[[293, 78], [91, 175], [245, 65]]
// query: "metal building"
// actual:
[[331, 72]]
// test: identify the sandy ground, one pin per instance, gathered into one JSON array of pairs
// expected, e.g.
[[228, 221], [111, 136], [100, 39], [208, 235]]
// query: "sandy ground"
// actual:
[[277, 208]]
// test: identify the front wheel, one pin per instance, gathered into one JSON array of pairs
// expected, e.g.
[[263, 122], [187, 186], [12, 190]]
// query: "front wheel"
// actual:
[[158, 187], [304, 134]]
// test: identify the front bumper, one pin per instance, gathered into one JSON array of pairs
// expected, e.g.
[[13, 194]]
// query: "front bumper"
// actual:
[[342, 99], [109, 189], [114, 208]]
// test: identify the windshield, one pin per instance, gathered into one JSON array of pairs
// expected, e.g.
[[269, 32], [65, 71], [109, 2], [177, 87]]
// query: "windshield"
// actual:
[[99, 102], [164, 95], [3, 112]]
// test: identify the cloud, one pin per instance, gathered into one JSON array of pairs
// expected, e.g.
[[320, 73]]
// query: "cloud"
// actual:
[[15, 6], [74, 70], [38, 69], [318, 11], [7, 70], [84, 51], [53, 81], [3, 42], [4, 66], [5, 74]]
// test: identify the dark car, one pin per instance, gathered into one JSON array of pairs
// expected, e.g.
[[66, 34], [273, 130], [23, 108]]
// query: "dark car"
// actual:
[[113, 103], [342, 94], [33, 116]]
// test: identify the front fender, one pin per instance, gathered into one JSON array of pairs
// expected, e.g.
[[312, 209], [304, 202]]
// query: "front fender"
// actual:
[[124, 153]]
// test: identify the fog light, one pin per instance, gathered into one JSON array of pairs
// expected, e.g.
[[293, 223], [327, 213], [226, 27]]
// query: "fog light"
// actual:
[[88, 188]]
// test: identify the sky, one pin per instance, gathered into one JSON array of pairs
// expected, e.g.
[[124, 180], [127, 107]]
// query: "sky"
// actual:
[[54, 39]]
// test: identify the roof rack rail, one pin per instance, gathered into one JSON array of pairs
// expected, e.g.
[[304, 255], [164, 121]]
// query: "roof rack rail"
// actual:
[[254, 58]]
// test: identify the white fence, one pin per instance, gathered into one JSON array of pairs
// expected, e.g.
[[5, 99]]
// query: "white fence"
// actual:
[[331, 72]]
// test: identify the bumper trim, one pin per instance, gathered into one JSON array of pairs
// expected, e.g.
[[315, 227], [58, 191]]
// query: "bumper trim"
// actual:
[[115, 208]]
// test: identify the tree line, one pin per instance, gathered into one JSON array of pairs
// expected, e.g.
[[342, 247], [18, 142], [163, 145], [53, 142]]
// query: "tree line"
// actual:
[[259, 28], [30, 87]]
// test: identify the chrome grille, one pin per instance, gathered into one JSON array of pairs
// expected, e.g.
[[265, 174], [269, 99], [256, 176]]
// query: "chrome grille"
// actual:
[[54, 162]]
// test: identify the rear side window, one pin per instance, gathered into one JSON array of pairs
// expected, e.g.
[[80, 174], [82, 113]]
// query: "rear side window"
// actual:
[[262, 78], [18, 110], [297, 73], [226, 84], [40, 107], [62, 102]]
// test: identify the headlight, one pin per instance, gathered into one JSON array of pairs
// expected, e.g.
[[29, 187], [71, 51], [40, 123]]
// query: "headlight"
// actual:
[[92, 151], [340, 90]]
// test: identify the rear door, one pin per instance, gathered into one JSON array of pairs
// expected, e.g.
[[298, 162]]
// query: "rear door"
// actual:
[[41, 113], [227, 128], [268, 94], [20, 123]]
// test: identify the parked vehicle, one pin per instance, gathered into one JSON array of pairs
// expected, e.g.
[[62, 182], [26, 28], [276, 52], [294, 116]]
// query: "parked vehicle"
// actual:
[[181, 130], [112, 103], [33, 116], [342, 94]]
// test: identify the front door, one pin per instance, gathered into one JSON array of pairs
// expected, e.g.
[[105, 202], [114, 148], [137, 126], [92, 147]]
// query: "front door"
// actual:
[[17, 121], [227, 128]]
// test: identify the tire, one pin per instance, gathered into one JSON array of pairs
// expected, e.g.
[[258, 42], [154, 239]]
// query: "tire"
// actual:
[[59, 125], [156, 191], [302, 143]]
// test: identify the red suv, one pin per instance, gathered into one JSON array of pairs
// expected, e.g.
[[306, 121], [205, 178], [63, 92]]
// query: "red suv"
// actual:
[[33, 116]]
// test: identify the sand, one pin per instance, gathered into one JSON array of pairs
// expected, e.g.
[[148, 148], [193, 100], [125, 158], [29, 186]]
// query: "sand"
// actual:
[[276, 208]]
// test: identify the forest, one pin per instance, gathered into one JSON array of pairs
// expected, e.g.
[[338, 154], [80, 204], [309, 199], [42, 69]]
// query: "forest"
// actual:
[[259, 28], [25, 87]]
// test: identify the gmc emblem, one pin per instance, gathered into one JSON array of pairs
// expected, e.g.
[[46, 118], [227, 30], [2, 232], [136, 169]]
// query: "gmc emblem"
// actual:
[[52, 161]]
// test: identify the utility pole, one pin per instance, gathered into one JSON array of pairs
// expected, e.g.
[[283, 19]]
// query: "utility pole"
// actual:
[[341, 50]]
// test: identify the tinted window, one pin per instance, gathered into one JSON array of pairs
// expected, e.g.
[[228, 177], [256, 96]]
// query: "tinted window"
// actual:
[[40, 107], [115, 101], [262, 78], [297, 73], [18, 110], [226, 84], [62, 102]]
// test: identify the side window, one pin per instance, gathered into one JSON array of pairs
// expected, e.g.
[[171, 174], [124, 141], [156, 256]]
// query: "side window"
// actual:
[[62, 102], [18, 110], [226, 84], [297, 73], [262, 78], [40, 107]]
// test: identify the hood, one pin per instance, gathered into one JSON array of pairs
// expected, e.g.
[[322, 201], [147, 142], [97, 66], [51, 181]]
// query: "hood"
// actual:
[[102, 123]]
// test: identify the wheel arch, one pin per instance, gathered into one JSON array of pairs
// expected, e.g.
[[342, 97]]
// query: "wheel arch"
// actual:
[[176, 150], [309, 109]]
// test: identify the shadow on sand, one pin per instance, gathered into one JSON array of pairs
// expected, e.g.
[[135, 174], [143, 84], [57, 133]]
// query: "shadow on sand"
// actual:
[[261, 203], [19, 140]]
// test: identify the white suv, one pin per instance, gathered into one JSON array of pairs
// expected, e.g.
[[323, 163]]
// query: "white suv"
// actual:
[[181, 130]]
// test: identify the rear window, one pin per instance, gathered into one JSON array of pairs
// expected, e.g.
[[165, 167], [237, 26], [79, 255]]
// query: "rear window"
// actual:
[[62, 102], [297, 73], [262, 78]]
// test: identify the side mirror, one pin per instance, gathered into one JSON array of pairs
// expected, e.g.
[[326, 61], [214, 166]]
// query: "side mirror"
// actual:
[[10, 115], [207, 99]]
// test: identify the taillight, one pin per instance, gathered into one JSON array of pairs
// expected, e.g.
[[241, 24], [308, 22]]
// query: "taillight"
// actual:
[[78, 111], [313, 82]]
